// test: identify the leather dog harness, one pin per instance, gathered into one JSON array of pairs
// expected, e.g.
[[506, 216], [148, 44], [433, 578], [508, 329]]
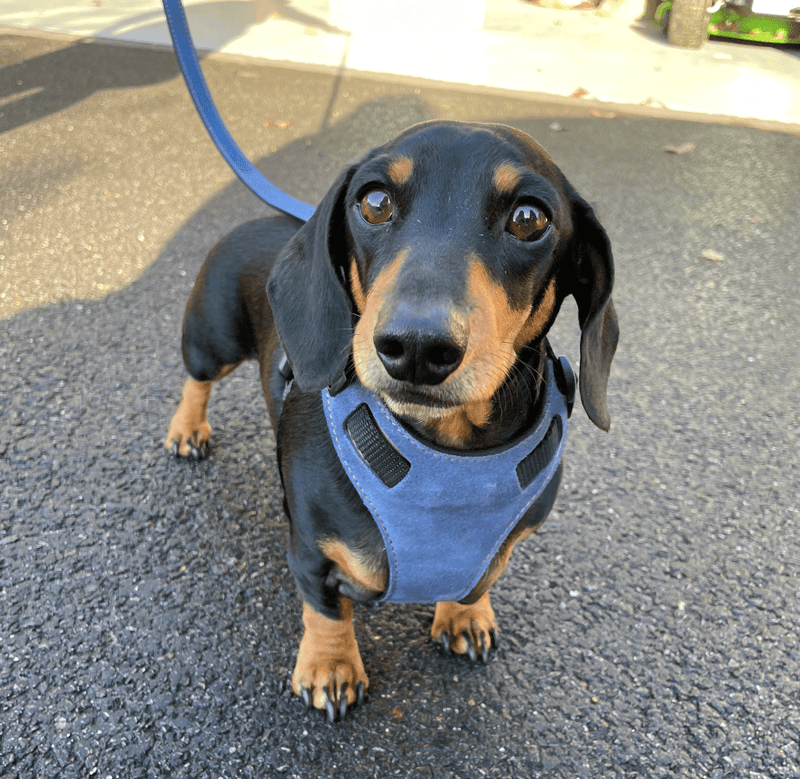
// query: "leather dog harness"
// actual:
[[444, 514]]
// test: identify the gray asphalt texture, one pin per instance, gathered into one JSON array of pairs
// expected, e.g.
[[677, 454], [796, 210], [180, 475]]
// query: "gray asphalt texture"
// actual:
[[148, 621]]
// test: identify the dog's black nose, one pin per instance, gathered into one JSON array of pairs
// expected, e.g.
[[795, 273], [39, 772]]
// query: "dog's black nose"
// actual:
[[419, 358], [418, 350]]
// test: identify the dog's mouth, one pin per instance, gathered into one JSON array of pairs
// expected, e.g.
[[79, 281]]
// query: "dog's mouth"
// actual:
[[416, 402], [427, 403], [422, 398]]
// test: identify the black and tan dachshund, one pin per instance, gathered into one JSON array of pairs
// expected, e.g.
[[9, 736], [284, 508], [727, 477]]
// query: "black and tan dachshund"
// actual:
[[427, 278]]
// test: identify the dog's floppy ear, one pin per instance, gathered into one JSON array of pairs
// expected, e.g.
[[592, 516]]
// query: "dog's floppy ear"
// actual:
[[590, 285], [310, 306]]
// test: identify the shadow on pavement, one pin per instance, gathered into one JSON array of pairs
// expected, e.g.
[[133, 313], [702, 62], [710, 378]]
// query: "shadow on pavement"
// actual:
[[35, 87]]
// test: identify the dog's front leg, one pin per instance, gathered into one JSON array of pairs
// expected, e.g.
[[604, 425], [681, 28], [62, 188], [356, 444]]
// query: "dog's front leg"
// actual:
[[329, 673]]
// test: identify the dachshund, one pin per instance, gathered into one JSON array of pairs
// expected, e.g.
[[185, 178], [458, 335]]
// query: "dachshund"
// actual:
[[425, 282]]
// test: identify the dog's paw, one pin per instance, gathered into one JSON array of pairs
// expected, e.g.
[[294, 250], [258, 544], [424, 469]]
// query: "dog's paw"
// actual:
[[332, 684], [191, 441], [329, 674], [466, 630], [189, 430]]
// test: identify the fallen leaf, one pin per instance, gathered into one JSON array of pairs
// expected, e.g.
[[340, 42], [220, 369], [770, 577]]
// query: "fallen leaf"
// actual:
[[603, 114], [580, 92], [652, 101], [711, 255], [684, 148]]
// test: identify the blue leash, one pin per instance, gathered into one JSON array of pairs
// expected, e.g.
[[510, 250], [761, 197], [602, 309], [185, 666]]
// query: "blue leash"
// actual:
[[198, 89]]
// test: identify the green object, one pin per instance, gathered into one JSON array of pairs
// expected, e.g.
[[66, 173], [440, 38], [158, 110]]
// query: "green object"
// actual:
[[737, 20]]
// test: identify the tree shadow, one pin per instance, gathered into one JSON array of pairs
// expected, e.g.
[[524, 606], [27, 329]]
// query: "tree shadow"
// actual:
[[56, 79]]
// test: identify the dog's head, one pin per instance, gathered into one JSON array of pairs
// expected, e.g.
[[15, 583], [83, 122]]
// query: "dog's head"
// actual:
[[434, 261]]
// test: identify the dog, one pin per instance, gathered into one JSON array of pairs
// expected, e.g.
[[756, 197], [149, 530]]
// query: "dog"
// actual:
[[423, 286]]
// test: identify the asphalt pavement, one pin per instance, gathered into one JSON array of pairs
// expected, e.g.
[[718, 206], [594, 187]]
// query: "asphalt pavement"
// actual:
[[148, 621]]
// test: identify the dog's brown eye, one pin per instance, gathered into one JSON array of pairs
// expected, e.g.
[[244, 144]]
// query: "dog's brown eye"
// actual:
[[377, 207], [528, 222]]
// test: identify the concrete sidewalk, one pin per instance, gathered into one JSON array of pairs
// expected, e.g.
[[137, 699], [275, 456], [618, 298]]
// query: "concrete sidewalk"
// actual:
[[520, 47]]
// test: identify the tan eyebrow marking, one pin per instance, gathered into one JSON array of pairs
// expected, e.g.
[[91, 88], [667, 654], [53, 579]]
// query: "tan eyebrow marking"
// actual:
[[400, 169], [506, 177]]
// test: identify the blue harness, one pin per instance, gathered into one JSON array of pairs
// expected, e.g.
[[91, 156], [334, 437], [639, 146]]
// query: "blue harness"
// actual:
[[444, 514]]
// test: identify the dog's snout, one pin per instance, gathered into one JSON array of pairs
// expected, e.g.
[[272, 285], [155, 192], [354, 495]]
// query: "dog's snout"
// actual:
[[417, 349]]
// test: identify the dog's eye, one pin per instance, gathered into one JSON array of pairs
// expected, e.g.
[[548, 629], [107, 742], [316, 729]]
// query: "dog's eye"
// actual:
[[528, 222], [376, 207]]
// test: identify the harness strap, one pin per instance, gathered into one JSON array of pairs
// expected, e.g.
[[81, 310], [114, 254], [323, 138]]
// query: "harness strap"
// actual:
[[198, 89], [444, 514]]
